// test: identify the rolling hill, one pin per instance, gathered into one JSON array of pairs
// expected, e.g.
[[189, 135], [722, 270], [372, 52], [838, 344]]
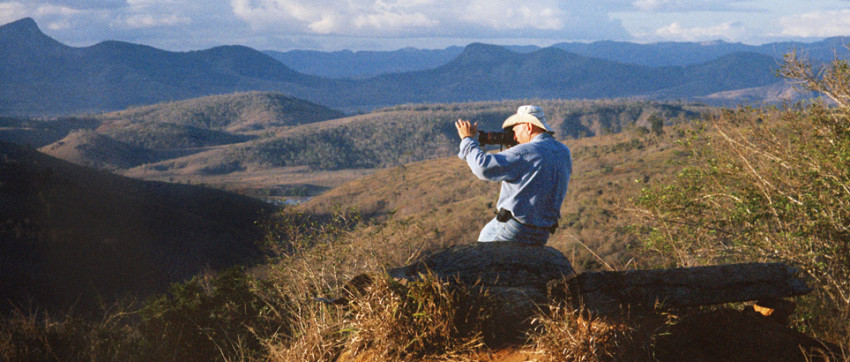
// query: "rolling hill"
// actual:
[[72, 235], [40, 76], [140, 135], [395, 136], [233, 113], [270, 146], [91, 149]]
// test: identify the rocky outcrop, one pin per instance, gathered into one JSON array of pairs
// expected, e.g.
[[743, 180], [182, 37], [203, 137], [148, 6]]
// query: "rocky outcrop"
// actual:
[[520, 279], [518, 282], [495, 266], [533, 275], [608, 291]]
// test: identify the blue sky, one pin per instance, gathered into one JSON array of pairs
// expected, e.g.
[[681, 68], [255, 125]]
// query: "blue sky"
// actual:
[[392, 24]]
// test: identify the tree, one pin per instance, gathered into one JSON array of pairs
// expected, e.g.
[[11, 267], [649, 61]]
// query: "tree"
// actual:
[[656, 124]]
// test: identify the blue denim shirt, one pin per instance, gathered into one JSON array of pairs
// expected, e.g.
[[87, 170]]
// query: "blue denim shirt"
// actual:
[[534, 176]]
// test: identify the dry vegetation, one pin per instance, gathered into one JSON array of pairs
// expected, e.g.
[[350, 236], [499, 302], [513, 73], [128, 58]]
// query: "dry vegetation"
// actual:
[[768, 184], [745, 185]]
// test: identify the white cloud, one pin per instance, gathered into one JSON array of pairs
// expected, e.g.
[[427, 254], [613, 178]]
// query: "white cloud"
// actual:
[[273, 24], [817, 24], [394, 17], [140, 14], [86, 4], [11, 11], [695, 6], [317, 16], [651, 5], [730, 31], [390, 20], [501, 15], [56, 10], [151, 3], [136, 21]]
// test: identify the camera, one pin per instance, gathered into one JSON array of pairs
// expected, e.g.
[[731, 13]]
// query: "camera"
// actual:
[[505, 138]]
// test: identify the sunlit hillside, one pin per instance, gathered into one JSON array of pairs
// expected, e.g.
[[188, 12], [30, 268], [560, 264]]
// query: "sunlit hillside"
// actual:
[[439, 203]]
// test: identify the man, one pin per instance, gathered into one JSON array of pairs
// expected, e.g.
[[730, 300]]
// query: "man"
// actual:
[[534, 176]]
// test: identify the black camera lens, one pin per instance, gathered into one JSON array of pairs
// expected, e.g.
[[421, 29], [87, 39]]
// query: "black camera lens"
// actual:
[[497, 138]]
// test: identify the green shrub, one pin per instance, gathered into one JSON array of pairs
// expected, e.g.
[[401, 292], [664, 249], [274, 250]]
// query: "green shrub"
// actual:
[[210, 318]]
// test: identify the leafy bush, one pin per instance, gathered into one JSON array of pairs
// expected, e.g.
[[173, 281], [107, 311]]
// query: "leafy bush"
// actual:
[[209, 318], [37, 336]]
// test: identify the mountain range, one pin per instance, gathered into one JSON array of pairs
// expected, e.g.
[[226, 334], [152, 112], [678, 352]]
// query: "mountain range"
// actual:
[[366, 64], [41, 76]]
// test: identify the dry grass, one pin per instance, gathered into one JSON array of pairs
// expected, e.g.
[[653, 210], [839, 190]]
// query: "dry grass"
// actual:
[[428, 318], [38, 336], [566, 334], [389, 320]]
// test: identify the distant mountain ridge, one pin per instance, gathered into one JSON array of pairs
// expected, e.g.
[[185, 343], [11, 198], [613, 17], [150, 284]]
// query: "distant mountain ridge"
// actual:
[[488, 72], [39, 76], [691, 53], [363, 64]]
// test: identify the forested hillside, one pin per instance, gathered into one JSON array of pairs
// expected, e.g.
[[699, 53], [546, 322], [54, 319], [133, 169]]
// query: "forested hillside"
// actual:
[[398, 135], [273, 145], [141, 135]]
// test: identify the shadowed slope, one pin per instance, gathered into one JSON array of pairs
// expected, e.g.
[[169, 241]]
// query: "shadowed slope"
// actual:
[[74, 234]]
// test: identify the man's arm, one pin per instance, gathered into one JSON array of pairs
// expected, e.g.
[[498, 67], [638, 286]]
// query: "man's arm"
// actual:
[[484, 165]]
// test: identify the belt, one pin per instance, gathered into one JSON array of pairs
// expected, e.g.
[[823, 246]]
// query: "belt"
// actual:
[[505, 215]]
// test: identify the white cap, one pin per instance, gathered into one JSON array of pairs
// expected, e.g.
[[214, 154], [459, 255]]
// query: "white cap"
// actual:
[[528, 114]]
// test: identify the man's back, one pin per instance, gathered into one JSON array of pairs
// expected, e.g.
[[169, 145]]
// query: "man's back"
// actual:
[[543, 167]]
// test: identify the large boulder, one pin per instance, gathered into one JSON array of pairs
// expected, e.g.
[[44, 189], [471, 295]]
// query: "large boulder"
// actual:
[[514, 276]]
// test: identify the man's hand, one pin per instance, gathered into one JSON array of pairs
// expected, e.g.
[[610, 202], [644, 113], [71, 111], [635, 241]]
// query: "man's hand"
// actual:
[[466, 129]]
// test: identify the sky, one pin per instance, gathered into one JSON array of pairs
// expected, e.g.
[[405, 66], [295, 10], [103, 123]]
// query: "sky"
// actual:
[[329, 25]]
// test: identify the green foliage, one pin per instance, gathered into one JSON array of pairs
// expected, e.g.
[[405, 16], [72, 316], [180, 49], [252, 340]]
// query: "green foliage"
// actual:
[[656, 124], [767, 185], [240, 111], [35, 336], [169, 136], [209, 318]]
